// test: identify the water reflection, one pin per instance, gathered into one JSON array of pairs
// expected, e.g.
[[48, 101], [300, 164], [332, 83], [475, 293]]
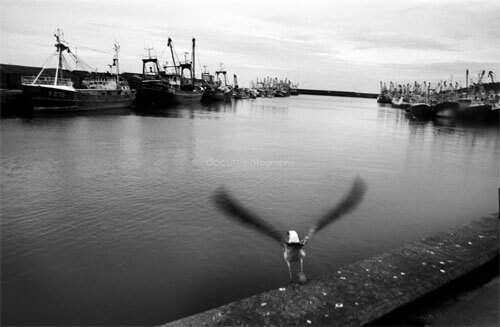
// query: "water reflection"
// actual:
[[270, 108], [221, 105], [167, 112], [391, 115], [29, 114], [450, 122]]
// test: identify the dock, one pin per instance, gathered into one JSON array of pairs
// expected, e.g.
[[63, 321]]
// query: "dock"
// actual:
[[366, 291], [338, 93]]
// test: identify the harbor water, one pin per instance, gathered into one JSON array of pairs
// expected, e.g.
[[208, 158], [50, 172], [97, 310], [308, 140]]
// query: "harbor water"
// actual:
[[107, 218]]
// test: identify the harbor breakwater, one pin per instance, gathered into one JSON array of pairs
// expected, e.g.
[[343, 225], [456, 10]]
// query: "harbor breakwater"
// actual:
[[338, 93], [365, 291]]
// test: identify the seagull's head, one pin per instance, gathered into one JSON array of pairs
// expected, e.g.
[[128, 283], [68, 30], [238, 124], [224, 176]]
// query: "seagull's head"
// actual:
[[293, 237]]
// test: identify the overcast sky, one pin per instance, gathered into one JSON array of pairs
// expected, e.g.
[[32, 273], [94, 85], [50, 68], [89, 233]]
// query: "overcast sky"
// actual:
[[337, 45]]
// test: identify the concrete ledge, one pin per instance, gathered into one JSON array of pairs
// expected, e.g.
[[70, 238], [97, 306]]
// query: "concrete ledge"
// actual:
[[339, 93], [367, 290]]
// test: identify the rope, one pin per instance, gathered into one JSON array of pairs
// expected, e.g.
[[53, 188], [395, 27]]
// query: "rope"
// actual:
[[82, 46], [43, 67], [83, 63], [48, 60]]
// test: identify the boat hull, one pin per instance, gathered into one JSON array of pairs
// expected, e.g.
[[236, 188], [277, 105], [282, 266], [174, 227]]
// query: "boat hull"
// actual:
[[104, 99], [180, 96], [153, 93], [420, 111], [447, 109], [47, 98], [466, 109], [216, 96], [480, 111]]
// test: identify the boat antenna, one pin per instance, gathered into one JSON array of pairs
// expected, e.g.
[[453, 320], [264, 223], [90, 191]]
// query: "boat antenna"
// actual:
[[43, 67], [149, 51]]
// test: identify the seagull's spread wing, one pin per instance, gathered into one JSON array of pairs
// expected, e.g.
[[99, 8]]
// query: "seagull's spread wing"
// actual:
[[350, 202], [235, 210]]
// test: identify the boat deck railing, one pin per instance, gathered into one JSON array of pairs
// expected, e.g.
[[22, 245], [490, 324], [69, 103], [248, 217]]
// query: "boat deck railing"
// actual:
[[46, 80]]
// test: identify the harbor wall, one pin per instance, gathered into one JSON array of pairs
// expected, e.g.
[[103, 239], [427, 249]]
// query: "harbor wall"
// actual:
[[339, 93], [367, 290]]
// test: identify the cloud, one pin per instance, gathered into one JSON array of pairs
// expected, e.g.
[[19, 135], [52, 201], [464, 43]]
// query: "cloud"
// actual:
[[400, 41]]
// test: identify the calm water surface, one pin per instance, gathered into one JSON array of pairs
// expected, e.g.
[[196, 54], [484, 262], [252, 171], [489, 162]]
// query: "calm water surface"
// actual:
[[107, 219]]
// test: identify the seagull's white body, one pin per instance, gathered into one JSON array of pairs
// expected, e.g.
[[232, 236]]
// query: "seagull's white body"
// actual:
[[293, 247], [293, 251]]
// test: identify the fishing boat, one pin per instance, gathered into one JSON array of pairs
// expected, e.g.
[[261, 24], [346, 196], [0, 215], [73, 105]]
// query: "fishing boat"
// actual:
[[472, 104], [183, 88], [473, 109], [421, 106], [216, 89], [384, 95], [58, 93], [153, 88], [168, 86]]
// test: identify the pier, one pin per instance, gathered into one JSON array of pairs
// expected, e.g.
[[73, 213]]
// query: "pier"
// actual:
[[338, 93], [368, 290]]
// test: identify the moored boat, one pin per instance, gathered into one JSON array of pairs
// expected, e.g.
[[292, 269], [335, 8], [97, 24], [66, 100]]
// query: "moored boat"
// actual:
[[384, 95], [49, 93], [183, 88], [218, 89], [97, 91], [164, 87], [476, 110], [153, 87]]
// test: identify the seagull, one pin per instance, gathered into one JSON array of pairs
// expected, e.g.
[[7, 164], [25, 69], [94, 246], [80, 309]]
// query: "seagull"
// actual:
[[293, 247]]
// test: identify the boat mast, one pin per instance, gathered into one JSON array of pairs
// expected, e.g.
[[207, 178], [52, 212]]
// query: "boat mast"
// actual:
[[116, 62], [467, 81], [235, 81], [169, 44], [59, 46], [223, 72], [192, 64]]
